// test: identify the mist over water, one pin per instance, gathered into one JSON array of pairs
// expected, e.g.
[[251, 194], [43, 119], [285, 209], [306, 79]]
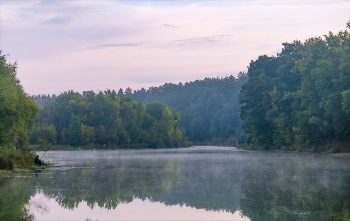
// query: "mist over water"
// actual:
[[201, 183]]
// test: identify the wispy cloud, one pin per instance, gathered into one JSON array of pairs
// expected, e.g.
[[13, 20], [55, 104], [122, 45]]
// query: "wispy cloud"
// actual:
[[168, 26], [201, 40], [60, 19], [111, 46]]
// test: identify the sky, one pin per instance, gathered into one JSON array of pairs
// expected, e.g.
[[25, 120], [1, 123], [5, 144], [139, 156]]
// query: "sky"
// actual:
[[84, 45]]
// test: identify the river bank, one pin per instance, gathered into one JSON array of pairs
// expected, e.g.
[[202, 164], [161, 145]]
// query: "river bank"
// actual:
[[323, 148]]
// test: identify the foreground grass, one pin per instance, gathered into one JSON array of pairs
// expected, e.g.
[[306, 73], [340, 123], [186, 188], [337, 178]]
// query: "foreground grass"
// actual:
[[12, 161]]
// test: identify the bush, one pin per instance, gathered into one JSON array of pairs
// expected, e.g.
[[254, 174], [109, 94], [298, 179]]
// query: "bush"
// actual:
[[6, 164], [11, 159]]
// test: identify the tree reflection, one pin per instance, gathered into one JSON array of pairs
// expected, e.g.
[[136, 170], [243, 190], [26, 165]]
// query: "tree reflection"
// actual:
[[294, 189], [263, 186], [213, 185], [14, 195], [210, 185], [109, 185]]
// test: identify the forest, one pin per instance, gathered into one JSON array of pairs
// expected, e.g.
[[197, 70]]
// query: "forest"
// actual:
[[108, 120], [301, 97], [208, 109]]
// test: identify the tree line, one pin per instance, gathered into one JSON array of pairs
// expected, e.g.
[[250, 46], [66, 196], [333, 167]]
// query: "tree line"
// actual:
[[209, 108], [105, 118], [301, 96]]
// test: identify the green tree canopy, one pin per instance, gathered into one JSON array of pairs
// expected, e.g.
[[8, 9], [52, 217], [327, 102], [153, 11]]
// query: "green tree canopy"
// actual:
[[108, 118], [17, 109], [300, 96]]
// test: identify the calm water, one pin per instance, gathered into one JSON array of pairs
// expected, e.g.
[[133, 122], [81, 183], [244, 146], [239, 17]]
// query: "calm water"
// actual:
[[198, 183]]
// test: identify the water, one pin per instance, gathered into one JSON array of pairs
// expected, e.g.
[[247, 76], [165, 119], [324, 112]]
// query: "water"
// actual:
[[198, 183]]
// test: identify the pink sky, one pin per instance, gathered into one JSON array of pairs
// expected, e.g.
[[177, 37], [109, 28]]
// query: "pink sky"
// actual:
[[98, 45]]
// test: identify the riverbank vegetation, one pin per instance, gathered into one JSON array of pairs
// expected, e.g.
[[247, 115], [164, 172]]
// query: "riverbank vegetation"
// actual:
[[301, 97], [209, 108], [17, 112], [107, 120]]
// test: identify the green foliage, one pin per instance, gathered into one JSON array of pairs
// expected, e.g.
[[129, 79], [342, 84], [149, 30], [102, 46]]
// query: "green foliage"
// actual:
[[209, 108], [107, 119], [346, 101], [14, 195], [301, 96], [44, 145], [12, 158], [17, 109], [214, 100], [43, 132], [17, 112]]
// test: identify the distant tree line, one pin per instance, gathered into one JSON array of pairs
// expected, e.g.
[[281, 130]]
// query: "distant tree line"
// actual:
[[209, 108], [300, 96], [108, 119]]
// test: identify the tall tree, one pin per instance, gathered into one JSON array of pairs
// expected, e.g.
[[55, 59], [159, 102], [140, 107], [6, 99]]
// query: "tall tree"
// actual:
[[17, 109], [301, 95]]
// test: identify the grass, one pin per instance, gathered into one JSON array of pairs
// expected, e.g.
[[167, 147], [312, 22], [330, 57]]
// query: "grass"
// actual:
[[12, 159]]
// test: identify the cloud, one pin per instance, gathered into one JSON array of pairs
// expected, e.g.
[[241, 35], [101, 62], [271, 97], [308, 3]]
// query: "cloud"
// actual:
[[200, 40], [168, 26], [60, 19], [111, 46]]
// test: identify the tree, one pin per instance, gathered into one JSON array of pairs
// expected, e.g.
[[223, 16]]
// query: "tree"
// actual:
[[300, 96], [17, 113], [17, 109]]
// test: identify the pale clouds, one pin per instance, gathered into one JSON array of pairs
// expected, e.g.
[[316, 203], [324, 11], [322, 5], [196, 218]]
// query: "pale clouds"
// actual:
[[111, 46], [203, 40], [90, 45]]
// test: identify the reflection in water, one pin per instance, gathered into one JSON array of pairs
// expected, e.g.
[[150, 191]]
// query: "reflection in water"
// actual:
[[208, 181], [109, 183], [14, 195], [293, 187], [214, 181]]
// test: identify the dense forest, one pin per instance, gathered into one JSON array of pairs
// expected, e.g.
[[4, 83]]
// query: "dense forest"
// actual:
[[301, 97], [107, 119], [17, 112], [209, 108]]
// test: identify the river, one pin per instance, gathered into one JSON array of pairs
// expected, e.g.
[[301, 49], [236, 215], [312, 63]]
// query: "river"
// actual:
[[197, 183]]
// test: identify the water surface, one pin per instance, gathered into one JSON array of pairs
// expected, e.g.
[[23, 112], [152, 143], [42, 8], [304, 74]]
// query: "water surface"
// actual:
[[198, 183]]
